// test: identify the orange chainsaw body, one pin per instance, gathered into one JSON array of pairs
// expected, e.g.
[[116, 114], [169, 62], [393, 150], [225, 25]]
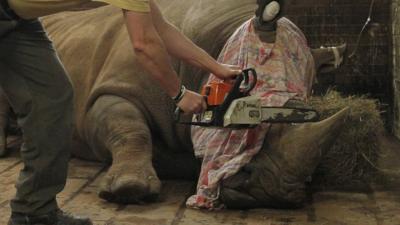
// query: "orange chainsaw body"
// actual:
[[215, 92]]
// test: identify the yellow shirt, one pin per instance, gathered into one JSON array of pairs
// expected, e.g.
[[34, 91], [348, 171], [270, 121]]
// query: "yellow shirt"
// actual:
[[29, 9]]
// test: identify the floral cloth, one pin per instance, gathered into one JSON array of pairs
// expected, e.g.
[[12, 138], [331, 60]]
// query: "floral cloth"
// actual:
[[285, 70]]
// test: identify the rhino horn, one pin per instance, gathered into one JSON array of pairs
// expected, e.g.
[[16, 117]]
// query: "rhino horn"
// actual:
[[299, 148]]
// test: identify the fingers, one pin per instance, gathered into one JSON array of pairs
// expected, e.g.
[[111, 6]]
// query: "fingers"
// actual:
[[233, 67], [192, 103], [204, 105], [229, 71], [236, 72]]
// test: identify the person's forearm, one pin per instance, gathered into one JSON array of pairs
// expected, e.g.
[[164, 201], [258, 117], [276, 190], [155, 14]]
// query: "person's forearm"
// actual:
[[153, 56], [181, 47]]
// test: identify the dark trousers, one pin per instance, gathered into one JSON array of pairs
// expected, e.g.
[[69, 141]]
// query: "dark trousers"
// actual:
[[36, 85]]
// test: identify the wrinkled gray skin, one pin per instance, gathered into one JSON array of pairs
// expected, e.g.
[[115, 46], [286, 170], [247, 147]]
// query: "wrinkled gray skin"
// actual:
[[123, 118]]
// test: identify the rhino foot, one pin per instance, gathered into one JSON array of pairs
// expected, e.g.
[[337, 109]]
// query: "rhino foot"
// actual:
[[130, 184]]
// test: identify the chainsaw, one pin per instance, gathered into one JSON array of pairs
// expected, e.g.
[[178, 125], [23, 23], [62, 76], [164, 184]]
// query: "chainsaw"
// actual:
[[231, 105]]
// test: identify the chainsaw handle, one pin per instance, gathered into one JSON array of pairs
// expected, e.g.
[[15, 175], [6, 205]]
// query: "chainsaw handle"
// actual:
[[246, 76], [178, 111], [234, 93]]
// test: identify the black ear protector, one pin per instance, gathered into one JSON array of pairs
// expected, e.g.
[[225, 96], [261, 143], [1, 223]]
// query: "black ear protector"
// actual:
[[271, 11], [263, 12]]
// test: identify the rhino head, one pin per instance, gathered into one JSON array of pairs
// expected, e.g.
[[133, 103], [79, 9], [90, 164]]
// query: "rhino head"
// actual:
[[276, 176]]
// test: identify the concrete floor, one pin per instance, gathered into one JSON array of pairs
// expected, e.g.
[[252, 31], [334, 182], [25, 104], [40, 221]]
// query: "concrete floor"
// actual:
[[379, 206]]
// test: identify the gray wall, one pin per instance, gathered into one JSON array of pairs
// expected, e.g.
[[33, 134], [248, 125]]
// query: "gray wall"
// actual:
[[330, 22]]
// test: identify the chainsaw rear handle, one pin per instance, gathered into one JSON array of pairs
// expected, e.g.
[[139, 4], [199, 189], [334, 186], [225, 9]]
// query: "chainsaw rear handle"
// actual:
[[237, 92]]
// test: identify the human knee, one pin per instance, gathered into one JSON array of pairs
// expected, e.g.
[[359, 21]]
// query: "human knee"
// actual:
[[51, 109], [59, 99]]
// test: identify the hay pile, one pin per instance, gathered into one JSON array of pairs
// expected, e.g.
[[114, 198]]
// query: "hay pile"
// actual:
[[348, 162]]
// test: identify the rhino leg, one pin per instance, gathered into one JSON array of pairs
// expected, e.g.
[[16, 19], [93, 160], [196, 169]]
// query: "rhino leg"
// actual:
[[4, 112], [276, 176], [325, 58], [117, 131]]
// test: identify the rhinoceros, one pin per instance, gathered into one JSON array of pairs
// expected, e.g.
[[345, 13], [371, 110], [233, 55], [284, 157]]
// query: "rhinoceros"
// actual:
[[123, 118]]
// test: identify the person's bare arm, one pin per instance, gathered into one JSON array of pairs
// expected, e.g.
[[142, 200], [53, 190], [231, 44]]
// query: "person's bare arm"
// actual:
[[183, 48], [153, 56], [151, 51]]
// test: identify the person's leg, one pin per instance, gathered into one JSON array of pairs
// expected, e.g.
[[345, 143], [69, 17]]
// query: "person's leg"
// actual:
[[39, 91]]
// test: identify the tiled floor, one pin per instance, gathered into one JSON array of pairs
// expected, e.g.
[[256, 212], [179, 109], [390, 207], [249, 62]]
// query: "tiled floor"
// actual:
[[380, 206]]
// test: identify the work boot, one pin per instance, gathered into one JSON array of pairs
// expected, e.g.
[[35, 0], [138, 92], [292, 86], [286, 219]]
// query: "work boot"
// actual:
[[56, 217]]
